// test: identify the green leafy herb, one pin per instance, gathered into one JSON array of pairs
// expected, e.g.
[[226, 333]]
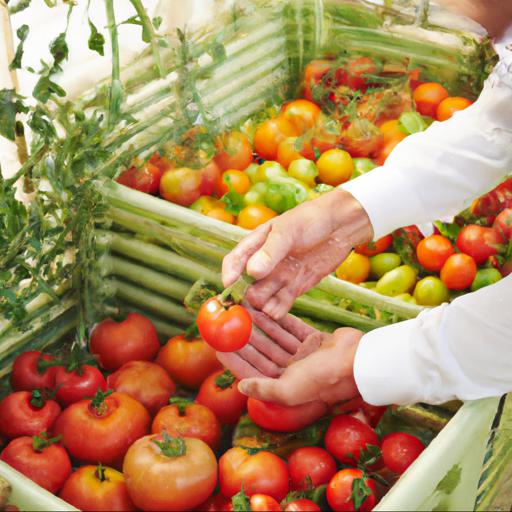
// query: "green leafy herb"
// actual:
[[96, 41], [11, 104], [59, 51], [42, 124], [22, 34]]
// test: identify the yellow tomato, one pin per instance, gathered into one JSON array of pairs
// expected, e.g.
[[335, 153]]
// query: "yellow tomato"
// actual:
[[222, 215], [356, 268], [335, 167], [253, 216]]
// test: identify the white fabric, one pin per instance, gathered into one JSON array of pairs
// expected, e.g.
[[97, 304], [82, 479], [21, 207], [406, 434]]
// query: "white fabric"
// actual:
[[462, 350]]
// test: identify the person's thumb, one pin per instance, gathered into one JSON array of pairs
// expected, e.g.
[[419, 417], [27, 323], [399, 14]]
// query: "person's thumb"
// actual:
[[262, 389]]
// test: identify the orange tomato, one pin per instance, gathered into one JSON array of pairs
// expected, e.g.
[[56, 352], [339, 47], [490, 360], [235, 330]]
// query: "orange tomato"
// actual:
[[433, 251], [391, 131], [234, 151], [238, 180], [270, 134], [222, 215], [428, 96], [287, 153], [450, 105], [459, 271], [356, 268], [303, 114], [374, 248], [335, 167], [255, 215]]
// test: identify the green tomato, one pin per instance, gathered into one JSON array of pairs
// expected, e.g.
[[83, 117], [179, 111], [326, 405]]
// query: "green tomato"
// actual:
[[251, 172], [283, 194], [323, 188], [406, 297], [431, 291], [397, 281], [486, 277], [369, 285], [303, 170], [268, 171], [256, 194], [362, 166], [383, 263]]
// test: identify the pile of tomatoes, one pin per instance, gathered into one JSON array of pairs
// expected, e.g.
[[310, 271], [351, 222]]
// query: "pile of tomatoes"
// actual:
[[144, 426]]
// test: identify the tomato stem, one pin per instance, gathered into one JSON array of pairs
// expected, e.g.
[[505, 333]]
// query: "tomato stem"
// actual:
[[41, 441], [192, 332], [38, 399], [236, 292], [100, 472], [225, 380], [98, 402], [181, 403], [171, 446]]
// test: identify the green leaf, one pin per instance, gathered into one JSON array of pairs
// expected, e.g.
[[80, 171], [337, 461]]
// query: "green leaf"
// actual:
[[96, 41], [406, 249], [45, 87], [59, 50], [360, 491], [19, 6], [157, 21], [450, 231], [41, 123], [241, 502], [171, 446], [225, 380], [370, 455], [451, 480], [22, 34], [412, 122], [11, 104]]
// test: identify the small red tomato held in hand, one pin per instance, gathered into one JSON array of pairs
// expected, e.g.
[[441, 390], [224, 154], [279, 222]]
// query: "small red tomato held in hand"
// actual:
[[351, 490], [74, 385], [39, 459], [29, 372], [310, 466], [224, 328], [400, 450]]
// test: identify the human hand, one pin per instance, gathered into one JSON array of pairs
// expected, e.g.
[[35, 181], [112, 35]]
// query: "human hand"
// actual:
[[322, 370]]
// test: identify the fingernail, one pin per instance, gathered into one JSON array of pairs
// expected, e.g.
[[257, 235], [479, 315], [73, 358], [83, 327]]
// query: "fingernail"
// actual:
[[242, 387], [258, 264]]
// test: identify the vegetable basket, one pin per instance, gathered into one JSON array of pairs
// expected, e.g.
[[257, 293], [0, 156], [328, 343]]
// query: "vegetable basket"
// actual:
[[98, 246]]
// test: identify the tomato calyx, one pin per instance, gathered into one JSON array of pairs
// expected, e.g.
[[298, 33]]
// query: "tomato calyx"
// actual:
[[77, 360], [225, 380], [360, 491], [240, 501], [181, 403], [100, 473], [98, 404], [171, 446], [41, 441], [192, 332], [39, 397]]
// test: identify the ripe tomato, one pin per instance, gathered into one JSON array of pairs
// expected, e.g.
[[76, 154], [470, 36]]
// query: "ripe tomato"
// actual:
[[255, 215], [234, 152], [181, 186], [391, 131], [282, 418], [400, 450], [310, 467], [356, 268], [386, 150], [479, 242], [186, 419], [161, 161], [372, 413], [217, 503], [188, 361], [431, 291], [210, 176], [303, 114], [26, 413], [206, 203], [342, 496], [116, 343], [264, 503], [335, 167], [144, 179], [287, 152], [347, 437], [226, 328], [270, 134], [29, 372], [238, 180], [39, 459], [357, 69], [433, 251], [147, 382], [362, 139], [165, 473], [374, 248], [102, 429], [97, 488], [502, 224], [459, 271], [219, 392], [313, 74], [428, 96], [450, 105], [261, 473], [74, 385], [221, 214], [302, 505]]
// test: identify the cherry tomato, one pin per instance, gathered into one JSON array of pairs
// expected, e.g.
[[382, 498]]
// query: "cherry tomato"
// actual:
[[302, 505], [217, 503], [206, 203], [226, 328], [102, 429], [210, 176], [372, 413], [261, 473], [459, 271], [314, 72], [238, 180], [253, 216], [221, 214], [391, 131], [270, 134], [287, 152], [310, 467], [187, 419], [335, 167], [431, 291], [264, 503], [26, 413], [304, 170], [72, 386], [340, 491], [357, 69], [39, 459], [433, 251], [144, 179], [219, 392], [181, 186], [383, 263], [147, 382], [356, 268], [97, 488], [502, 224], [116, 343], [282, 418], [362, 139], [400, 450], [479, 242], [188, 361], [165, 473], [234, 152], [492, 203], [428, 96], [347, 437], [161, 161], [397, 281], [303, 114], [376, 247], [268, 171], [485, 277], [506, 269], [450, 105], [29, 372]]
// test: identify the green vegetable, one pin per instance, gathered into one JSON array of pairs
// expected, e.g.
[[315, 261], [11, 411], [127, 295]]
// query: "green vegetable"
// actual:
[[412, 122], [431, 291], [486, 277], [397, 281], [383, 263], [303, 170], [256, 194], [283, 194]]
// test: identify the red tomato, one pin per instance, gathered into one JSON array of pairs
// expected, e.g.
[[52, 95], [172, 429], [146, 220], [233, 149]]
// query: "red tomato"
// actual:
[[506, 269], [428, 96], [181, 186], [357, 68], [449, 106], [287, 152], [310, 467], [147, 382], [264, 503], [282, 418], [187, 419], [313, 74], [144, 179], [374, 248], [29, 373], [26, 413], [261, 473], [302, 505], [270, 134], [459, 271], [234, 152], [72, 386], [226, 328], [97, 488], [303, 114], [502, 224], [210, 176], [39, 459], [340, 493], [433, 251], [188, 361], [116, 343], [400, 450], [102, 429], [372, 413], [217, 503], [347, 437], [219, 392], [362, 139], [479, 242], [165, 473], [161, 161]]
